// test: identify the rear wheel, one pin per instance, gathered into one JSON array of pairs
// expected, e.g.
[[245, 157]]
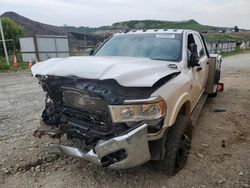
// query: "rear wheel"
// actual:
[[177, 146], [216, 81], [214, 94]]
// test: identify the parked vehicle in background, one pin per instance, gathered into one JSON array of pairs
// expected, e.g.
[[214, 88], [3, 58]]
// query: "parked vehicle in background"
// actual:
[[134, 100]]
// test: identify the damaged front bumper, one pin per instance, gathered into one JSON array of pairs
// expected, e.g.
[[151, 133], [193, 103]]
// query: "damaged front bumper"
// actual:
[[134, 146]]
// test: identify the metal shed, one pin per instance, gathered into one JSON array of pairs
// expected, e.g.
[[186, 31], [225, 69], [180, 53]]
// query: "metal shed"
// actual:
[[42, 47]]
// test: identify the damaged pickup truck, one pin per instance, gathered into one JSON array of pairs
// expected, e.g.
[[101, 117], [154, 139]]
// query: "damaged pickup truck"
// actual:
[[131, 101]]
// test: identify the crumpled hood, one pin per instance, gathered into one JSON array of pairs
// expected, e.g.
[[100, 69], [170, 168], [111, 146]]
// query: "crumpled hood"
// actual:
[[127, 71]]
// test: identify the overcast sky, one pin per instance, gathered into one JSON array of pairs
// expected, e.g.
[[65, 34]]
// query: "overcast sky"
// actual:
[[105, 12]]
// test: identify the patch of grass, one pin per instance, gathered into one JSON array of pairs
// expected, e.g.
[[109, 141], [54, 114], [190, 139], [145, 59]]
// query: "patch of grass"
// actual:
[[3, 65], [216, 37], [23, 66], [236, 52], [1, 60]]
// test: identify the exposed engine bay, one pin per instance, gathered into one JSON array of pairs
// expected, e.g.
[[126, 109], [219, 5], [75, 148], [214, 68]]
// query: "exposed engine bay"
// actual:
[[79, 107]]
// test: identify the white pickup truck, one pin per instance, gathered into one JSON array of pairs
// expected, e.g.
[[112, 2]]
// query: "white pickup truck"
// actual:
[[135, 99]]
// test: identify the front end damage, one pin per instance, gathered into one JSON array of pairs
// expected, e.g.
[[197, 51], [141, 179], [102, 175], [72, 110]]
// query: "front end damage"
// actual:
[[77, 110], [120, 152]]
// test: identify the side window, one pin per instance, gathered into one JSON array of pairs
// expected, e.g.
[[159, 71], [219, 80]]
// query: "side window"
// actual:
[[200, 48], [190, 40]]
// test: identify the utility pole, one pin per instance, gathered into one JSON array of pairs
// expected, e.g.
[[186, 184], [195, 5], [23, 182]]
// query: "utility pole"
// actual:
[[4, 45]]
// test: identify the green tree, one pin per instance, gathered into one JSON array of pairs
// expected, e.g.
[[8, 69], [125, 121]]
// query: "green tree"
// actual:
[[236, 29], [11, 31]]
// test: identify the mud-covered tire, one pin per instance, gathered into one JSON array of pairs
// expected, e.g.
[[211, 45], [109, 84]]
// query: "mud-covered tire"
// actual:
[[177, 146]]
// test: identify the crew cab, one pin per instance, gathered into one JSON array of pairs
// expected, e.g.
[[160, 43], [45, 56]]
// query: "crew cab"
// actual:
[[131, 101]]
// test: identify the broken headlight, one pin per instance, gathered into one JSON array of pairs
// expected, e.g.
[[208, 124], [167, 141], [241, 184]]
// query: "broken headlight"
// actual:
[[138, 110]]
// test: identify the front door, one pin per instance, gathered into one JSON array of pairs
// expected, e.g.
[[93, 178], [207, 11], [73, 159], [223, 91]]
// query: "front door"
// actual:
[[199, 73]]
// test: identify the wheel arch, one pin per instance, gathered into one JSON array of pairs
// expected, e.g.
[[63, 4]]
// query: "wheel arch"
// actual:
[[182, 107]]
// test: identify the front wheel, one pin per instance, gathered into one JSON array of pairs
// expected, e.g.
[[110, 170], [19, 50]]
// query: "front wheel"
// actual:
[[177, 146]]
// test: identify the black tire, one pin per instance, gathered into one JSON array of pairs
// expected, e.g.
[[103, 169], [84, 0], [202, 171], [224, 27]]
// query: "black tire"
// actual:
[[177, 145], [213, 94]]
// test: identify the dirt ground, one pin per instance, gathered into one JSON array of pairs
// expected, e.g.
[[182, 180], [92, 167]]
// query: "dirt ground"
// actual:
[[24, 162]]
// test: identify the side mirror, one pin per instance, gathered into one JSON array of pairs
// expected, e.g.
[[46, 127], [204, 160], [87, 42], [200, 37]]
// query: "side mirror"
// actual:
[[193, 58], [89, 52]]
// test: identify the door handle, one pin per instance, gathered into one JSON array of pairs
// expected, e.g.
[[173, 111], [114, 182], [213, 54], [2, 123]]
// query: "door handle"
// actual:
[[198, 69]]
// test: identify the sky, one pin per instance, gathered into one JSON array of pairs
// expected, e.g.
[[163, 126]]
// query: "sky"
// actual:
[[94, 13]]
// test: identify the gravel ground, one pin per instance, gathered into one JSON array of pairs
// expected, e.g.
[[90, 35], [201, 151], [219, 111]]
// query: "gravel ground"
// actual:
[[220, 154]]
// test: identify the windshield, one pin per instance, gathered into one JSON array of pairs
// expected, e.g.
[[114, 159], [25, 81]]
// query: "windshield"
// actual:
[[154, 46]]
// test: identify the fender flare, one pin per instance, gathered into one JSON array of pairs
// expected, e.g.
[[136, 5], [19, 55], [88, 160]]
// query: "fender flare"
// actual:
[[183, 99]]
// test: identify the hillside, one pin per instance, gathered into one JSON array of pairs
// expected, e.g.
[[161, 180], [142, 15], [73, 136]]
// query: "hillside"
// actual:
[[149, 24], [78, 35], [86, 29], [143, 24], [32, 27]]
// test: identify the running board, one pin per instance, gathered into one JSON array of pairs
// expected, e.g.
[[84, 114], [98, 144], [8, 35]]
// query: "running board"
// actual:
[[196, 112]]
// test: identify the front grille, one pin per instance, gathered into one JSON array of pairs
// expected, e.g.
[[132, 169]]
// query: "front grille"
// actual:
[[86, 127], [88, 121], [86, 117]]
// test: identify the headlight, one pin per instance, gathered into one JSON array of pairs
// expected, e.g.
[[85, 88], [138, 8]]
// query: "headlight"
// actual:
[[153, 108]]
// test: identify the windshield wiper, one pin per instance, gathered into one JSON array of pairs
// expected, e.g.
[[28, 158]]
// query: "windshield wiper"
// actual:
[[159, 59]]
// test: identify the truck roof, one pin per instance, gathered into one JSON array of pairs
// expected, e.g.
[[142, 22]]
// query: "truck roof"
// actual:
[[151, 31]]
